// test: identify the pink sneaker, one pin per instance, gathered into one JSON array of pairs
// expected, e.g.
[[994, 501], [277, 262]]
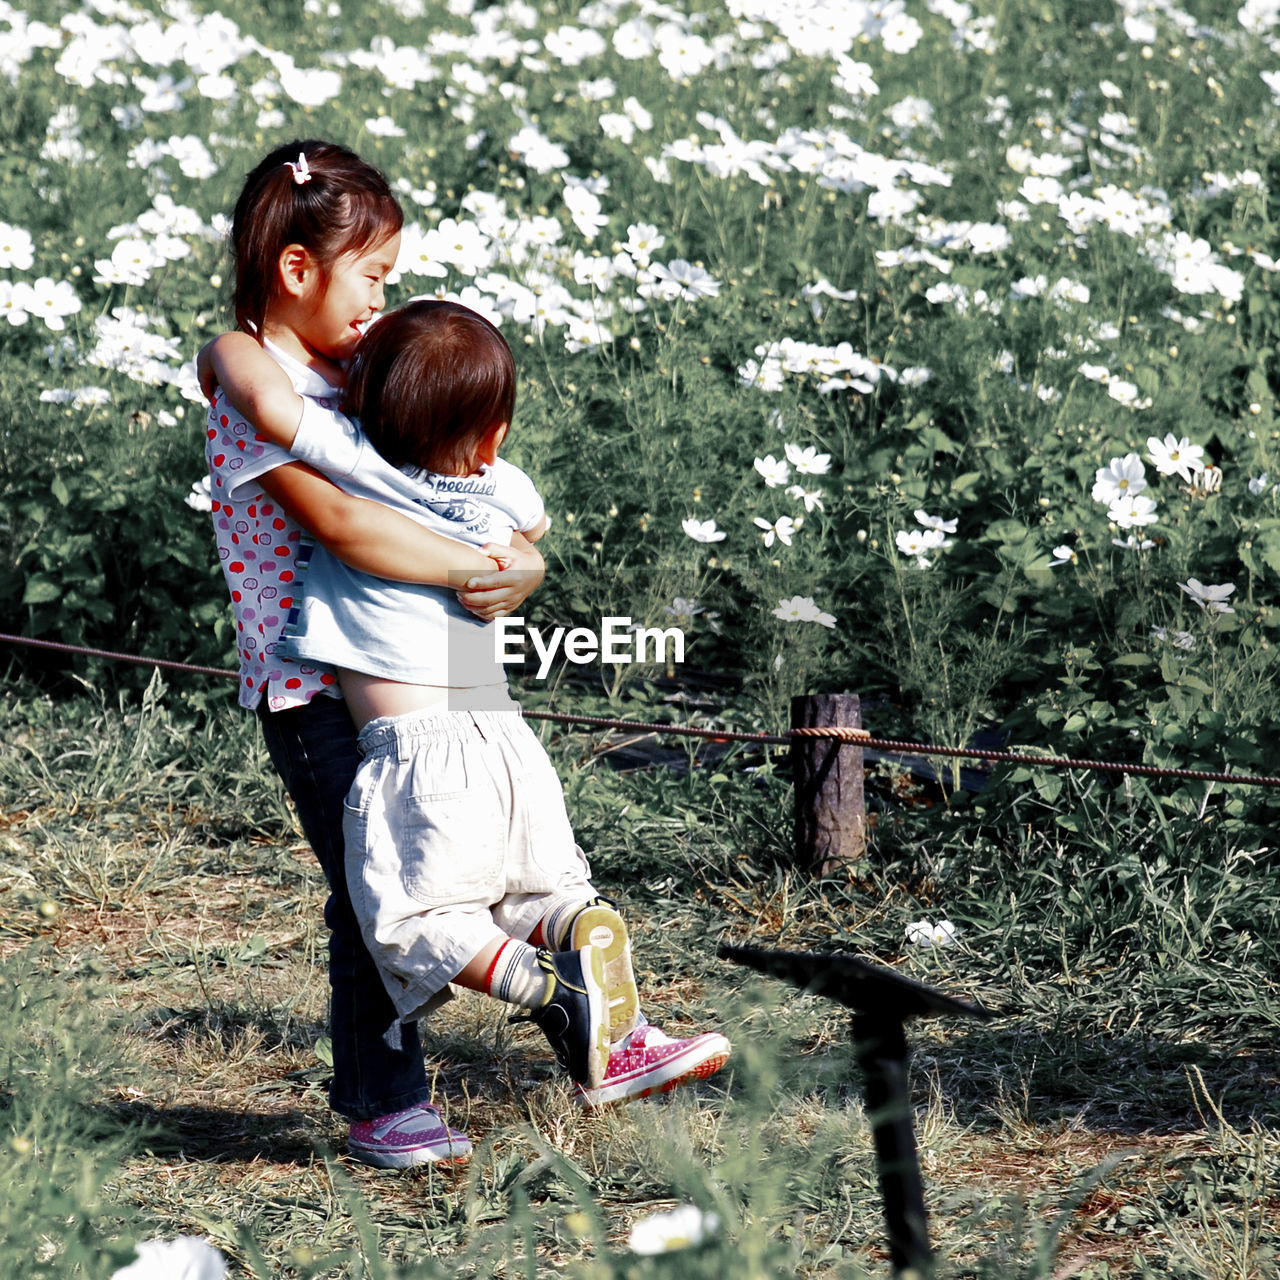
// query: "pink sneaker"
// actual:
[[649, 1061], [406, 1138]]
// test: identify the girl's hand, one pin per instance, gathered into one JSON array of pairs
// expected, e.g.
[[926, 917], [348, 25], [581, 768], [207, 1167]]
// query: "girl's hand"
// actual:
[[519, 570]]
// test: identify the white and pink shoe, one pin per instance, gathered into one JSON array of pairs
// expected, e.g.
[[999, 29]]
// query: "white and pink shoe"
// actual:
[[648, 1061]]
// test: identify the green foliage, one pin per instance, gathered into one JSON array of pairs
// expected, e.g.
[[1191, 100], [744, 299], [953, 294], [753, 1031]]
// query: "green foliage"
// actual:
[[61, 1140]]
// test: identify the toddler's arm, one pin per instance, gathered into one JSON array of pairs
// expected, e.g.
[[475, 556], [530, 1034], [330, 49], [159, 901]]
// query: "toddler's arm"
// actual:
[[360, 532]]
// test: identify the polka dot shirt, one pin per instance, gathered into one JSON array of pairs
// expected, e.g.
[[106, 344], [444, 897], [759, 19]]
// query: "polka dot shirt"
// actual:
[[261, 549]]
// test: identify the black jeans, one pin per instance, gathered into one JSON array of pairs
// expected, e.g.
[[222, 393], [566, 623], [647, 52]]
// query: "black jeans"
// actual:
[[377, 1060]]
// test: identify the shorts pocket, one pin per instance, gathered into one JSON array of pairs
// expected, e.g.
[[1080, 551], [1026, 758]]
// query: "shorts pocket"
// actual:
[[451, 848]]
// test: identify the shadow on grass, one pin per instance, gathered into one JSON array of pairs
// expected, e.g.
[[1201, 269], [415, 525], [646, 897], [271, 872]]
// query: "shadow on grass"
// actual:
[[218, 1135], [1012, 1073]]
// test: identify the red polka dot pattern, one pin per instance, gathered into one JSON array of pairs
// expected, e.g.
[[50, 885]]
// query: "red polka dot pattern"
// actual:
[[258, 547]]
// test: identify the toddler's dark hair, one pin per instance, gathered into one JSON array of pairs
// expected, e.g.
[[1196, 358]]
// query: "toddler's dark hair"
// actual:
[[428, 380], [346, 206]]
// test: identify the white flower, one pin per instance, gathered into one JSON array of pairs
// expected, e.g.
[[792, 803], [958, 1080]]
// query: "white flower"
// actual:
[[702, 530], [1258, 484], [186, 1258], [916, 542], [643, 240], [666, 1232], [573, 45], [15, 302], [1133, 543], [1212, 478], [1212, 598], [681, 279], [51, 302], [201, 496], [584, 209], [926, 521], [812, 498], [783, 528], [16, 248], [1179, 639], [924, 934], [901, 33], [1172, 455], [384, 127], [808, 461], [1132, 509], [683, 607], [773, 471], [1062, 555], [803, 609], [1126, 393], [1119, 477]]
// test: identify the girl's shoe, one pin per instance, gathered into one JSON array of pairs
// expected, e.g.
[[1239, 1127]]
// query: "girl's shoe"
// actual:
[[406, 1138], [649, 1061]]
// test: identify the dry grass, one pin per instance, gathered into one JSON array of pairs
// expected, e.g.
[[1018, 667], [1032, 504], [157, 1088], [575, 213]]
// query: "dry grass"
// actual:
[[202, 934]]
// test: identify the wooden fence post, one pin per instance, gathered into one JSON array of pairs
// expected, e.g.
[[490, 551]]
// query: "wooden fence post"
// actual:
[[830, 818]]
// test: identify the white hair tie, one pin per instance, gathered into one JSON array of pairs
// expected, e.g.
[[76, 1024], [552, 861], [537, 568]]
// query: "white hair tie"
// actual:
[[300, 171]]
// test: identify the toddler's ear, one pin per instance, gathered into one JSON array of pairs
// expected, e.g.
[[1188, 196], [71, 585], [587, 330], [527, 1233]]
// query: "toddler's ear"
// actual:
[[491, 442]]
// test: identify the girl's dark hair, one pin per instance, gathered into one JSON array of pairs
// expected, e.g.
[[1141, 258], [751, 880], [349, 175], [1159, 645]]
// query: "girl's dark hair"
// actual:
[[428, 380], [346, 206]]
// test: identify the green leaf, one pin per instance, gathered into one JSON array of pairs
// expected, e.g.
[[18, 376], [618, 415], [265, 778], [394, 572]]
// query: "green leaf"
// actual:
[[41, 590], [1049, 787], [60, 491]]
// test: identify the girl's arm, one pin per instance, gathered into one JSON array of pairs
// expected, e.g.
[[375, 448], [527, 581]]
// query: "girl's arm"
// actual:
[[258, 388], [521, 569], [373, 538]]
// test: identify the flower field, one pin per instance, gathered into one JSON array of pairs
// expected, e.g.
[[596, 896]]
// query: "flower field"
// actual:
[[924, 350]]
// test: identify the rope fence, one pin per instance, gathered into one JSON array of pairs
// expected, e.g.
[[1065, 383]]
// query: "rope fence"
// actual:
[[860, 737]]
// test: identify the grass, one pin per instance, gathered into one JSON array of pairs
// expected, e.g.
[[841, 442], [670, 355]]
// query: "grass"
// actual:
[[1119, 1118]]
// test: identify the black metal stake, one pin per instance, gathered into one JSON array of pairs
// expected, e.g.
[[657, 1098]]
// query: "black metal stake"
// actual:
[[881, 1048], [882, 1001]]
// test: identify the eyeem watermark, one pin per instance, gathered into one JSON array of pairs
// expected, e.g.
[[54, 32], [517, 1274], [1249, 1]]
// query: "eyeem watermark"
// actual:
[[617, 641]]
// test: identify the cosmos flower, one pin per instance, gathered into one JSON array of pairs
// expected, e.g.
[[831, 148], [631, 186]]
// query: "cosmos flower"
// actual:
[[702, 530], [186, 1258], [1130, 510], [1211, 597], [1119, 478], [783, 529], [773, 471], [922, 933], [919, 542], [812, 498], [926, 521], [677, 1229], [1172, 456], [803, 609], [16, 247], [808, 461]]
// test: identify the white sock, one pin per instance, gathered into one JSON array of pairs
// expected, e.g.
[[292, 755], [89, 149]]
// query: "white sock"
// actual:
[[517, 977]]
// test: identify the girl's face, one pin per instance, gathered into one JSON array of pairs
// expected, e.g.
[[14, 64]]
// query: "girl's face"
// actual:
[[345, 298]]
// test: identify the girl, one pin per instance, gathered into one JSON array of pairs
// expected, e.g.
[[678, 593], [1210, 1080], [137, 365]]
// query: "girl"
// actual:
[[458, 844], [314, 234]]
